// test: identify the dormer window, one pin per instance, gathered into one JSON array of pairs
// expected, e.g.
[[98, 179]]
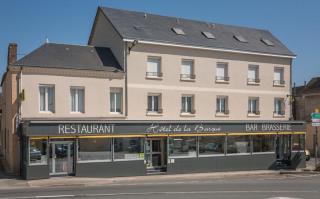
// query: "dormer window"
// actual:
[[178, 31], [209, 35], [240, 38], [267, 42]]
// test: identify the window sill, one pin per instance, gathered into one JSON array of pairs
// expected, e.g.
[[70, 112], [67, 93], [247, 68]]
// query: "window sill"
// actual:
[[76, 112], [253, 84], [187, 115], [154, 77], [187, 80], [154, 114], [221, 115], [278, 116], [46, 112], [118, 115], [253, 115], [222, 82], [279, 85]]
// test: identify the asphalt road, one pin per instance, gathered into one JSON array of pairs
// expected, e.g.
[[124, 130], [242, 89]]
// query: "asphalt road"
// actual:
[[255, 187]]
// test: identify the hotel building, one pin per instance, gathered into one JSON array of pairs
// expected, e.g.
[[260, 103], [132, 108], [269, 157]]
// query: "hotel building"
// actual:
[[151, 94]]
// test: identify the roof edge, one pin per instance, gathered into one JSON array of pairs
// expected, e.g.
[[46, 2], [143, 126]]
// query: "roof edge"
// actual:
[[210, 48]]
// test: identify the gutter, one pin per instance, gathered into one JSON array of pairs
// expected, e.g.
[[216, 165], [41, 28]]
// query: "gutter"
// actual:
[[207, 48]]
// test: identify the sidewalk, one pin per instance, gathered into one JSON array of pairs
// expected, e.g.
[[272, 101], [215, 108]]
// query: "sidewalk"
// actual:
[[7, 183]]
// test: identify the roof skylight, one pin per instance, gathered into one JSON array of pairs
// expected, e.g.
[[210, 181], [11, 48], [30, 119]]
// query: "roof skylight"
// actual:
[[267, 42], [240, 38], [209, 35], [178, 31]]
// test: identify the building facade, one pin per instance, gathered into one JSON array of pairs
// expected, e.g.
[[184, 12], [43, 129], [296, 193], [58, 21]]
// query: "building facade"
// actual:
[[150, 94], [307, 101]]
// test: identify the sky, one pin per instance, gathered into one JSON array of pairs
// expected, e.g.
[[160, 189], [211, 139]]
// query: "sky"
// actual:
[[295, 22]]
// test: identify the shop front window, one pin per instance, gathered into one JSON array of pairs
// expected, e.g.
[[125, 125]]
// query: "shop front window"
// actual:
[[211, 145], [238, 144], [182, 147], [297, 142], [94, 150], [38, 152], [263, 143], [128, 149]]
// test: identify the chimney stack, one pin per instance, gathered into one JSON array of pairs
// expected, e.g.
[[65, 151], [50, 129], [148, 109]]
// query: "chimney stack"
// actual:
[[12, 53]]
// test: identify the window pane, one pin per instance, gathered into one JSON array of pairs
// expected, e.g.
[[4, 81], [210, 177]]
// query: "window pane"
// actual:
[[297, 142], [183, 103], [252, 73], [42, 99], [278, 74], [238, 144], [38, 152], [118, 102], [263, 143], [50, 99], [221, 70], [155, 103], [153, 65], [94, 149], [81, 100], [112, 102], [189, 104], [186, 67], [73, 100], [150, 103], [182, 146], [128, 149], [211, 145]]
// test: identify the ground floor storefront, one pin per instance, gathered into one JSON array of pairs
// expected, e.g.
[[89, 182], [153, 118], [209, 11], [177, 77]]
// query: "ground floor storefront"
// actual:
[[129, 148]]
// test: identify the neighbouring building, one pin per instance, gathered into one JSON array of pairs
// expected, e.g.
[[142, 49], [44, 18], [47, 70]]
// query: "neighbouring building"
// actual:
[[306, 101], [151, 94]]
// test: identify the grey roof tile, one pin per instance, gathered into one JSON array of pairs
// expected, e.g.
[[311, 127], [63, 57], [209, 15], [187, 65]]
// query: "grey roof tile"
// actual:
[[158, 28], [51, 55]]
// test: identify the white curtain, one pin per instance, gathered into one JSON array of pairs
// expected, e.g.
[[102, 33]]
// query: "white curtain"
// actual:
[[221, 70], [153, 65], [186, 67]]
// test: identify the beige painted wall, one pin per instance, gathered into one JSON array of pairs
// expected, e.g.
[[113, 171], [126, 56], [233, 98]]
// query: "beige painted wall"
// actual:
[[97, 95], [204, 88]]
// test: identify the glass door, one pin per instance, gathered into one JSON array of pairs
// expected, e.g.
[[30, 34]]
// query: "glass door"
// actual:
[[283, 147], [61, 158], [154, 153]]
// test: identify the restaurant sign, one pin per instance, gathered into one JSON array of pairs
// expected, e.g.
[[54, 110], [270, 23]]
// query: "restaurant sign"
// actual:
[[86, 128]]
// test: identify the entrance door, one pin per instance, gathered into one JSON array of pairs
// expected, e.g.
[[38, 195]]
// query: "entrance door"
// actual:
[[61, 158], [283, 147], [154, 152]]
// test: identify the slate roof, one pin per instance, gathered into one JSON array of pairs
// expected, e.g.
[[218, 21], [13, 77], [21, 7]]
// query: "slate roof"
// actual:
[[151, 27], [51, 55], [313, 86]]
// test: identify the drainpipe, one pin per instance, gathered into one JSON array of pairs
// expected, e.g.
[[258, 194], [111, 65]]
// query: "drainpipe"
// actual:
[[126, 78], [291, 94]]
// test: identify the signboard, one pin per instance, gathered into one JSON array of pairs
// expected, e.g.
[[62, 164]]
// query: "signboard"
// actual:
[[155, 127], [315, 118]]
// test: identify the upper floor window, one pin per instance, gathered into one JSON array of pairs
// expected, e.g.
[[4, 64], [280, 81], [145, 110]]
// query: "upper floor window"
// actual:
[[253, 106], [222, 105], [279, 107], [278, 77], [154, 103], [77, 100], [187, 104], [187, 70], [46, 98], [116, 100], [253, 74], [222, 72], [154, 67]]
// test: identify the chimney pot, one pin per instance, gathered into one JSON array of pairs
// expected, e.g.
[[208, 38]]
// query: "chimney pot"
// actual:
[[12, 53]]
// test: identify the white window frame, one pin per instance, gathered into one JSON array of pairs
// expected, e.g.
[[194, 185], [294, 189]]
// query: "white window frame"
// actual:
[[218, 100], [158, 72], [278, 82], [184, 109], [116, 90], [255, 79], [282, 106], [152, 95], [225, 67], [46, 99], [76, 89], [183, 75], [250, 106]]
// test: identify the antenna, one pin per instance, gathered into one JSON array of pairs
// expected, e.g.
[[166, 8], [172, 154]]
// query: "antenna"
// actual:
[[47, 40], [100, 3]]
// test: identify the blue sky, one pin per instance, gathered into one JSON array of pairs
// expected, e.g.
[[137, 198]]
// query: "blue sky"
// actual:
[[296, 23]]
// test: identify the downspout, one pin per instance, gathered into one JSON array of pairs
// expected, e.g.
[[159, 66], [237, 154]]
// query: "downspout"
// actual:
[[291, 93], [126, 78]]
